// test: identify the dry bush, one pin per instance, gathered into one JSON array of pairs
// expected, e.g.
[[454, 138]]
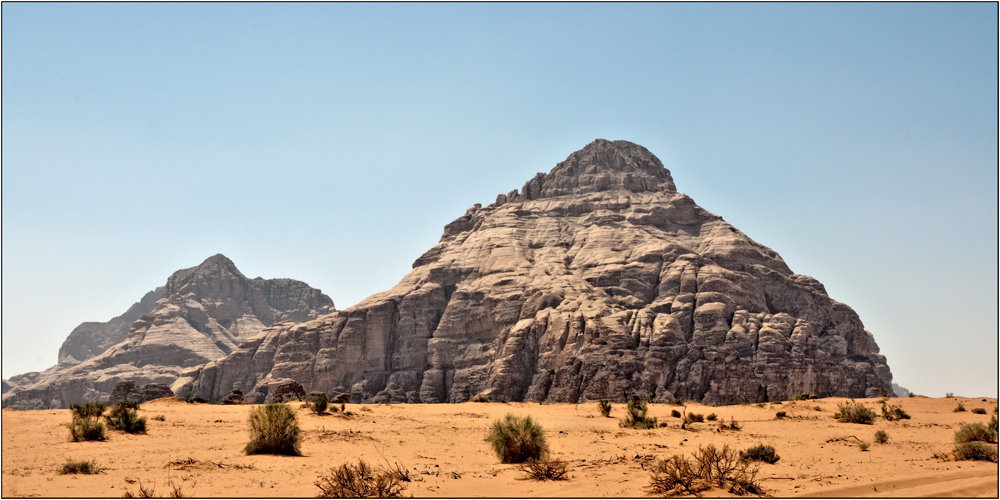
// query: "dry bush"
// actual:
[[733, 425], [979, 411], [975, 451], [517, 439], [959, 408], [975, 432], [760, 453], [80, 467], [545, 468], [881, 437], [893, 412], [635, 417], [604, 406], [360, 481], [143, 492], [711, 417], [854, 413], [863, 445], [710, 465], [274, 430], [697, 417], [675, 414], [780, 414]]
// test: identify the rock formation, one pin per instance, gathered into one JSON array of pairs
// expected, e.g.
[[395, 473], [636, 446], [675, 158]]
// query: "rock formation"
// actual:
[[127, 391], [204, 313], [596, 280], [92, 338]]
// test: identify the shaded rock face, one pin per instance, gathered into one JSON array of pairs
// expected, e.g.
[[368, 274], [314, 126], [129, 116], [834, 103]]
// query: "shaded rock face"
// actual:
[[235, 397], [596, 280], [127, 391], [288, 391], [92, 338], [204, 313]]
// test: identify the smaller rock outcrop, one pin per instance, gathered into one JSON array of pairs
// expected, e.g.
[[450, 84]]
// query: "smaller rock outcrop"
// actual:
[[288, 391], [127, 391], [235, 397]]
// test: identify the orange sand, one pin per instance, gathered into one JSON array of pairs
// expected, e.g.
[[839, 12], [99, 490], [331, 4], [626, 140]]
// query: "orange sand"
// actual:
[[443, 447]]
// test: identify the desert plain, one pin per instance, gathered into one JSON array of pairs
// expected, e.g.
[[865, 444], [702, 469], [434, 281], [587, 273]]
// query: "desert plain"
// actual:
[[199, 449]]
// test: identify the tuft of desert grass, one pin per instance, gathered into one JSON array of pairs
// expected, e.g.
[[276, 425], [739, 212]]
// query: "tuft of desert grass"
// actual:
[[517, 439], [760, 453], [274, 430], [635, 417], [360, 481], [80, 467], [604, 406], [854, 413], [881, 437]]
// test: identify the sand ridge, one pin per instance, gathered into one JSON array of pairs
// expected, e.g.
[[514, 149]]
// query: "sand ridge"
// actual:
[[199, 447]]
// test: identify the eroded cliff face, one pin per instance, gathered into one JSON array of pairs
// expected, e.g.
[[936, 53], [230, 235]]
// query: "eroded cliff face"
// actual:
[[203, 313], [596, 280]]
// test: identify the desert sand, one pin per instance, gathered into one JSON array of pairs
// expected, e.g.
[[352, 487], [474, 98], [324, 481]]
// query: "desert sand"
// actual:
[[199, 447]]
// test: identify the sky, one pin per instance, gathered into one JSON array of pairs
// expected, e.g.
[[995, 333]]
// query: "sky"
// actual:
[[331, 143]]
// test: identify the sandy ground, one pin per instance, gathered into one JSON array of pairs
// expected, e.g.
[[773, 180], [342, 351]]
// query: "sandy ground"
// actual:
[[199, 447]]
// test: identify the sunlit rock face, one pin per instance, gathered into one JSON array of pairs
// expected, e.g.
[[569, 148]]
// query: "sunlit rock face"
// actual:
[[202, 313], [596, 280]]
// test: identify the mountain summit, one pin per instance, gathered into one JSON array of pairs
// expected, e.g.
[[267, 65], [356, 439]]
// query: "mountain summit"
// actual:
[[595, 280]]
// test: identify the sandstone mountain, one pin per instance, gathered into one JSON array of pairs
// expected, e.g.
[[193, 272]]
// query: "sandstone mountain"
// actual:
[[92, 338], [203, 313], [596, 280]]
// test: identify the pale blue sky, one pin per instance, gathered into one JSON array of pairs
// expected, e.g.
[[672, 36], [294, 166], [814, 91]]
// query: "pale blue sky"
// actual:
[[331, 143]]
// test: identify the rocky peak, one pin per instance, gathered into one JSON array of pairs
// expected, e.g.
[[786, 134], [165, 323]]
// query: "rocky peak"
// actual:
[[600, 166]]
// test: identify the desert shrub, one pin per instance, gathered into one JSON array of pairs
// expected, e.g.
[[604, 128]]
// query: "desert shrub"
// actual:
[[80, 467], [675, 401], [993, 425], [733, 425], [319, 407], [854, 413], [360, 481], [979, 411], [975, 451], [123, 417], [959, 408], [197, 399], [144, 492], [86, 425], [517, 439], [800, 397], [545, 469], [863, 445], [697, 417], [817, 408], [479, 398], [176, 491], [273, 430], [893, 412], [760, 453], [711, 417], [949, 394], [678, 475], [90, 409], [635, 417], [761, 405], [604, 406], [675, 414], [881, 437], [975, 432], [780, 414]]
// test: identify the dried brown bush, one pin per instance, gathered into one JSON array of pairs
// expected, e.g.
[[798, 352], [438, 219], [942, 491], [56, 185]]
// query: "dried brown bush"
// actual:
[[545, 469], [360, 481]]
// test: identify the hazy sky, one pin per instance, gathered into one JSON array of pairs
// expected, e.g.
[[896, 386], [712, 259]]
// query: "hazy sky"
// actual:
[[332, 142]]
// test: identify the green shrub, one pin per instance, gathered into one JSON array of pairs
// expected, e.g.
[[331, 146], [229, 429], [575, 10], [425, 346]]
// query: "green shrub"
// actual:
[[361, 481], [881, 437], [123, 417], [90, 409], [893, 412], [635, 417], [780, 414], [976, 432], [975, 451], [604, 406], [711, 417], [319, 407], [959, 408], [993, 425], [697, 417], [517, 439], [863, 445], [854, 413], [273, 430], [80, 467], [760, 453], [675, 414]]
